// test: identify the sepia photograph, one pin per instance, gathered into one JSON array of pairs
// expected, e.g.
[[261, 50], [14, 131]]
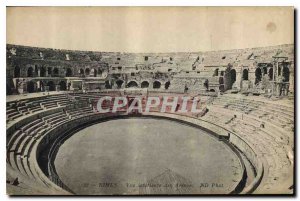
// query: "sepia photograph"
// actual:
[[150, 100]]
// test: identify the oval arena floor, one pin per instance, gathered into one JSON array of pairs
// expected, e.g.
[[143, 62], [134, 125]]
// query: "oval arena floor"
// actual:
[[128, 153]]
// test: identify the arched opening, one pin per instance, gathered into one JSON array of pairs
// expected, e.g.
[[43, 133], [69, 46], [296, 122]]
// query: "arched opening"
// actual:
[[119, 83], [100, 72], [221, 84], [156, 85], [132, 84], [30, 72], [167, 85], [221, 80], [42, 72], [35, 69], [107, 85], [17, 72], [55, 72], [258, 75], [69, 72], [212, 90], [265, 70], [205, 84], [145, 84], [51, 86], [49, 71], [30, 87], [286, 74], [232, 75], [216, 72], [245, 74], [270, 74], [94, 72], [87, 71], [186, 89], [81, 71], [62, 85]]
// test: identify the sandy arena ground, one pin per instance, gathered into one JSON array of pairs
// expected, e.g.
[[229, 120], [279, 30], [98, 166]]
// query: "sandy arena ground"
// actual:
[[132, 156]]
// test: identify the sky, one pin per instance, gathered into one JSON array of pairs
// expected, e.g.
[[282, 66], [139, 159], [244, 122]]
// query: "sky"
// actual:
[[150, 29]]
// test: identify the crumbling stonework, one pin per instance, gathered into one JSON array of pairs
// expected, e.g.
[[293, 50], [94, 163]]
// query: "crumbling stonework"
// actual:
[[268, 70]]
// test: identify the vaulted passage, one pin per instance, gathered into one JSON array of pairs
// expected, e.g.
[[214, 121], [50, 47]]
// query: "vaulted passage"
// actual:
[[132, 84], [167, 85], [81, 71], [119, 83], [51, 86], [63, 85], [31, 87], [270, 74], [55, 72], [156, 85], [87, 71], [258, 75], [145, 84], [69, 72], [286, 74], [17, 72], [245, 74], [30, 72], [94, 72], [42, 72]]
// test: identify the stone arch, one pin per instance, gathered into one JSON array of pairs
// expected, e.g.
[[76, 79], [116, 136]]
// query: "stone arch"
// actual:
[[107, 84], [49, 71], [156, 84], [231, 77], [132, 84], [258, 75], [42, 72], [55, 72], [167, 85], [30, 72], [265, 70], [51, 86], [36, 70], [94, 72], [100, 72], [69, 72], [87, 71], [31, 86], [221, 84], [286, 74], [145, 84], [17, 72], [119, 83], [81, 71], [245, 74], [216, 72], [63, 85], [270, 74]]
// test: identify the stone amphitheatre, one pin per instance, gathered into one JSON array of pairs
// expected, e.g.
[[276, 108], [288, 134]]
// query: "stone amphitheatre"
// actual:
[[241, 141]]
